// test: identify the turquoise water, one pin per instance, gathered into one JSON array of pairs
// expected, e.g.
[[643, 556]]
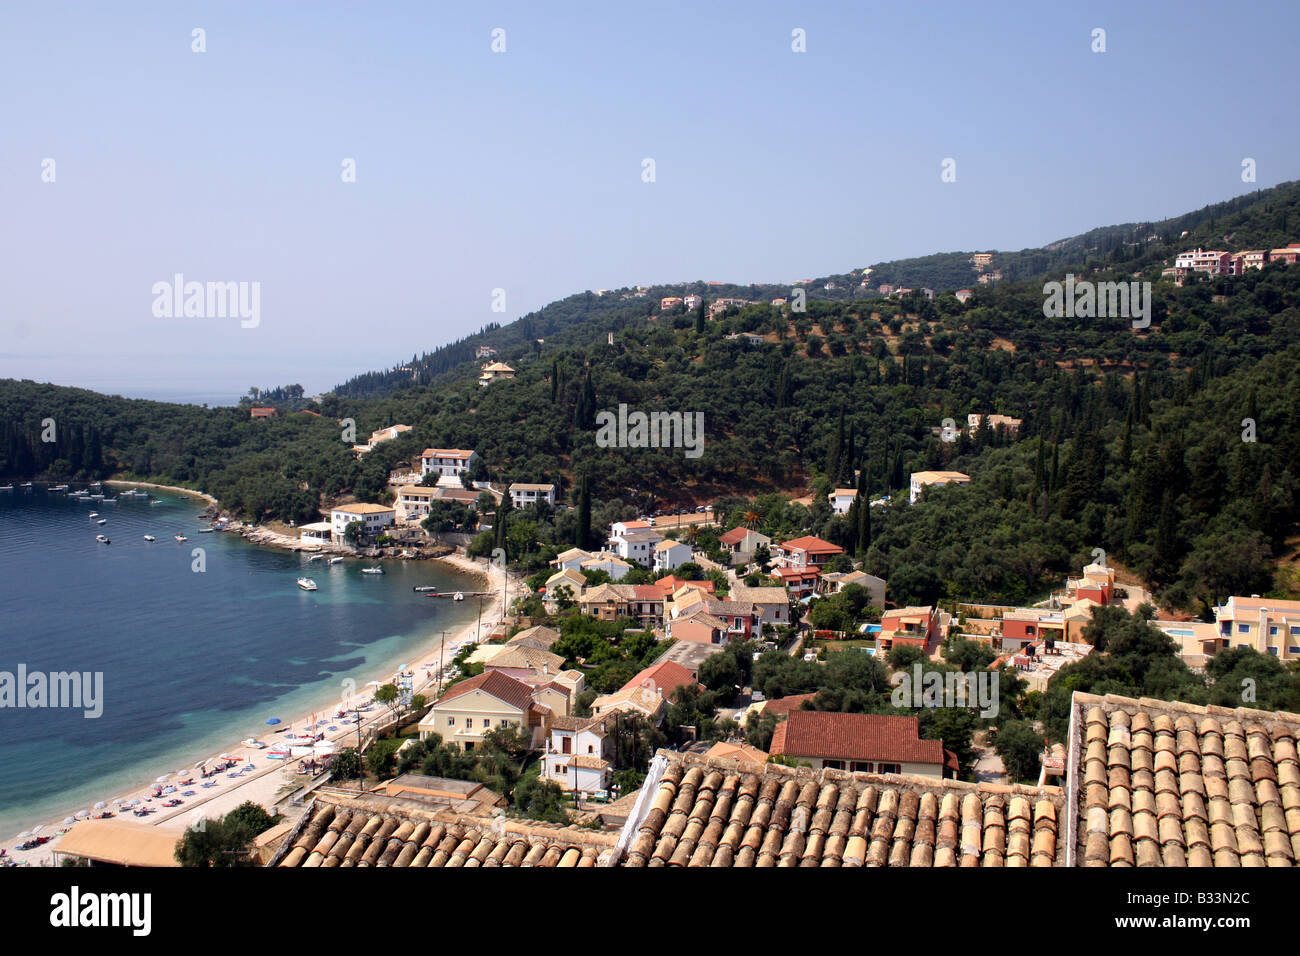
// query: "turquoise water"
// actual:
[[192, 661]]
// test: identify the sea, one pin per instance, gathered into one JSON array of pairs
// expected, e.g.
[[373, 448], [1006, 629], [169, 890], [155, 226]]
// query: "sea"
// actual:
[[199, 643]]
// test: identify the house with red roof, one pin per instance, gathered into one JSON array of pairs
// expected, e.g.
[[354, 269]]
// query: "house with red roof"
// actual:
[[867, 743], [800, 582], [806, 552], [663, 678], [470, 709], [670, 584]]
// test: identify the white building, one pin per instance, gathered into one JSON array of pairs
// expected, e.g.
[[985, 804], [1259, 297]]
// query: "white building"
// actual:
[[670, 555], [923, 479], [636, 546], [447, 462], [522, 494], [578, 753], [842, 499], [611, 564], [373, 517]]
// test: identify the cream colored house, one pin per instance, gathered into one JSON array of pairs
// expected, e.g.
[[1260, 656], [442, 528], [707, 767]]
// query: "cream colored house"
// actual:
[[469, 710]]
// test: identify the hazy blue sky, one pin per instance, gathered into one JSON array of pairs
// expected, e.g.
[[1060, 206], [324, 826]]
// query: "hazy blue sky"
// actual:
[[522, 170]]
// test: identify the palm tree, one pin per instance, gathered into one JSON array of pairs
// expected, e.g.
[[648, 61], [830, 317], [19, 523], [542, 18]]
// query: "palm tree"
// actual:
[[751, 518]]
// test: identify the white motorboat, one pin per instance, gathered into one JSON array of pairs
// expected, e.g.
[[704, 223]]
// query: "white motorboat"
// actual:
[[180, 537], [94, 514], [150, 537], [336, 560], [155, 502], [102, 539], [307, 584], [102, 521], [372, 570]]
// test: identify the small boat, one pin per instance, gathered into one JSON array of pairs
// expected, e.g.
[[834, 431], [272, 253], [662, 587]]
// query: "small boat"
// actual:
[[102, 521], [458, 596], [102, 539], [155, 502], [372, 570], [307, 584], [110, 501], [315, 557], [150, 537], [205, 531], [94, 514], [6, 487], [425, 589], [336, 560], [25, 484], [180, 537]]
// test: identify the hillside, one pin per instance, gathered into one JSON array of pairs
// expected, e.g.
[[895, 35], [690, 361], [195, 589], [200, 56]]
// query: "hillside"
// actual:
[[1130, 441]]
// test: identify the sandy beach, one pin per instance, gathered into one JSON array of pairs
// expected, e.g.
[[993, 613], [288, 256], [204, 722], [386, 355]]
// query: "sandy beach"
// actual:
[[267, 780], [182, 491]]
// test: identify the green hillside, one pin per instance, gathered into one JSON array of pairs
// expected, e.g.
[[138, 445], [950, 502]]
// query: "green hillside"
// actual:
[[1130, 442]]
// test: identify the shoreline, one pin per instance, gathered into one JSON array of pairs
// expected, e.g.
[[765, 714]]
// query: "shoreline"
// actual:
[[266, 785], [149, 484]]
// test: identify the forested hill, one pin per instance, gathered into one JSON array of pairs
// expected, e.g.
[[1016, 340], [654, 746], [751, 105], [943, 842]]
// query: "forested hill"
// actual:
[[1264, 219], [1132, 440]]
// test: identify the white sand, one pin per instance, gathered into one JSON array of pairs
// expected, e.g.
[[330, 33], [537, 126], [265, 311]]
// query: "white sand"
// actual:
[[264, 784]]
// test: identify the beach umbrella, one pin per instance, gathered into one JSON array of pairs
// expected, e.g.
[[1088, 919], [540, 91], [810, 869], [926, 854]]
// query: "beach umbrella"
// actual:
[[120, 800], [68, 820], [82, 814], [273, 721], [163, 778], [38, 828], [101, 805]]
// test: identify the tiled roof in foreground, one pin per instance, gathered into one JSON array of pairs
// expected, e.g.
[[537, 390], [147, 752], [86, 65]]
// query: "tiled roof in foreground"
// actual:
[[725, 813], [1161, 783], [346, 831]]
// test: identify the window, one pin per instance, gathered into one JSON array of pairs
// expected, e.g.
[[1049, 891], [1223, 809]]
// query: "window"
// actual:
[[451, 721], [1273, 651], [1243, 628], [1295, 630], [1293, 650], [859, 766], [891, 768], [1272, 630], [833, 764]]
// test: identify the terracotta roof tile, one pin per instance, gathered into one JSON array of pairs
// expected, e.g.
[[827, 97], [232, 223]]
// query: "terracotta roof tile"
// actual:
[[717, 812], [1173, 784]]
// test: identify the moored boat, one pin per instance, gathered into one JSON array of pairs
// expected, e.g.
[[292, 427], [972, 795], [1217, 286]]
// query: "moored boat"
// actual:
[[102, 539], [372, 570], [150, 537], [307, 584], [180, 537]]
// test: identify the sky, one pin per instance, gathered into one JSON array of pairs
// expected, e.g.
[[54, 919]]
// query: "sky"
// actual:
[[524, 170]]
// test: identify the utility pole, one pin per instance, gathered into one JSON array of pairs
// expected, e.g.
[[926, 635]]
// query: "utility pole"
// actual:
[[442, 648]]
